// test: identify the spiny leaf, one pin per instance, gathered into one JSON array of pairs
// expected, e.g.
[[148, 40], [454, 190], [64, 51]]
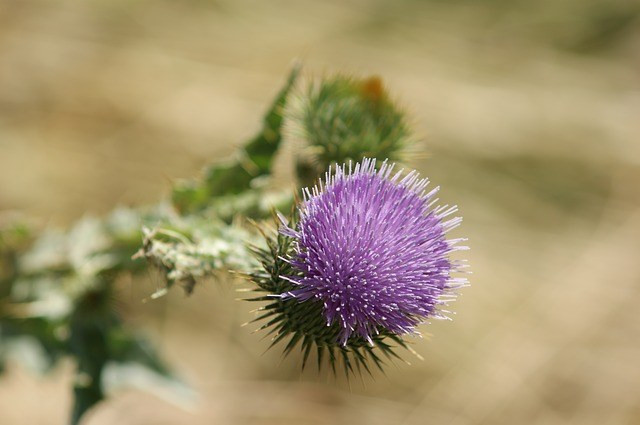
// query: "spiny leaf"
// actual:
[[252, 161]]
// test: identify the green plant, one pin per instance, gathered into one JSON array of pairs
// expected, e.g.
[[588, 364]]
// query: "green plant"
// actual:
[[58, 288]]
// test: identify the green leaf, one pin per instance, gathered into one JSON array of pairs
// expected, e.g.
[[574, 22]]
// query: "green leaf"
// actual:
[[90, 348], [35, 342], [188, 249], [134, 363], [251, 162], [126, 347]]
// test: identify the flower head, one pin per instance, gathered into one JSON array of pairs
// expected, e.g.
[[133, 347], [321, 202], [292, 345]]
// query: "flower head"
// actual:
[[343, 118], [370, 247]]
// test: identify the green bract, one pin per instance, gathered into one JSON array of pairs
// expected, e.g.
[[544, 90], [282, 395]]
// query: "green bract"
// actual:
[[342, 119], [302, 323]]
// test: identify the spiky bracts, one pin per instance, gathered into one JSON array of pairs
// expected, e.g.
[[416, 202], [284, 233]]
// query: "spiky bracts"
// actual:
[[342, 119], [303, 324], [366, 263]]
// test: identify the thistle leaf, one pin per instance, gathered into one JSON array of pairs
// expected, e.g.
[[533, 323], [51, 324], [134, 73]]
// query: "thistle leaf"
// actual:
[[237, 175]]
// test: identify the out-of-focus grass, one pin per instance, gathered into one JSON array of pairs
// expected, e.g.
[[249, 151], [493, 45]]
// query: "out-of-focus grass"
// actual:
[[529, 115]]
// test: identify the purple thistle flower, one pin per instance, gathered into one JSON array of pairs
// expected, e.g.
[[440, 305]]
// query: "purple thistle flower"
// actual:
[[372, 249]]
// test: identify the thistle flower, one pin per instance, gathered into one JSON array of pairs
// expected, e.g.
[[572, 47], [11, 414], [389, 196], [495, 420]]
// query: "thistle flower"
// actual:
[[370, 249], [366, 260]]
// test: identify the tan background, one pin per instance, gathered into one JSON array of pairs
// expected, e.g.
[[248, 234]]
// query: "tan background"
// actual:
[[528, 112]]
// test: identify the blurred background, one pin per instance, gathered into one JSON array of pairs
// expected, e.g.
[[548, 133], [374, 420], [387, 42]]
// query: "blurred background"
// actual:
[[529, 118]]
